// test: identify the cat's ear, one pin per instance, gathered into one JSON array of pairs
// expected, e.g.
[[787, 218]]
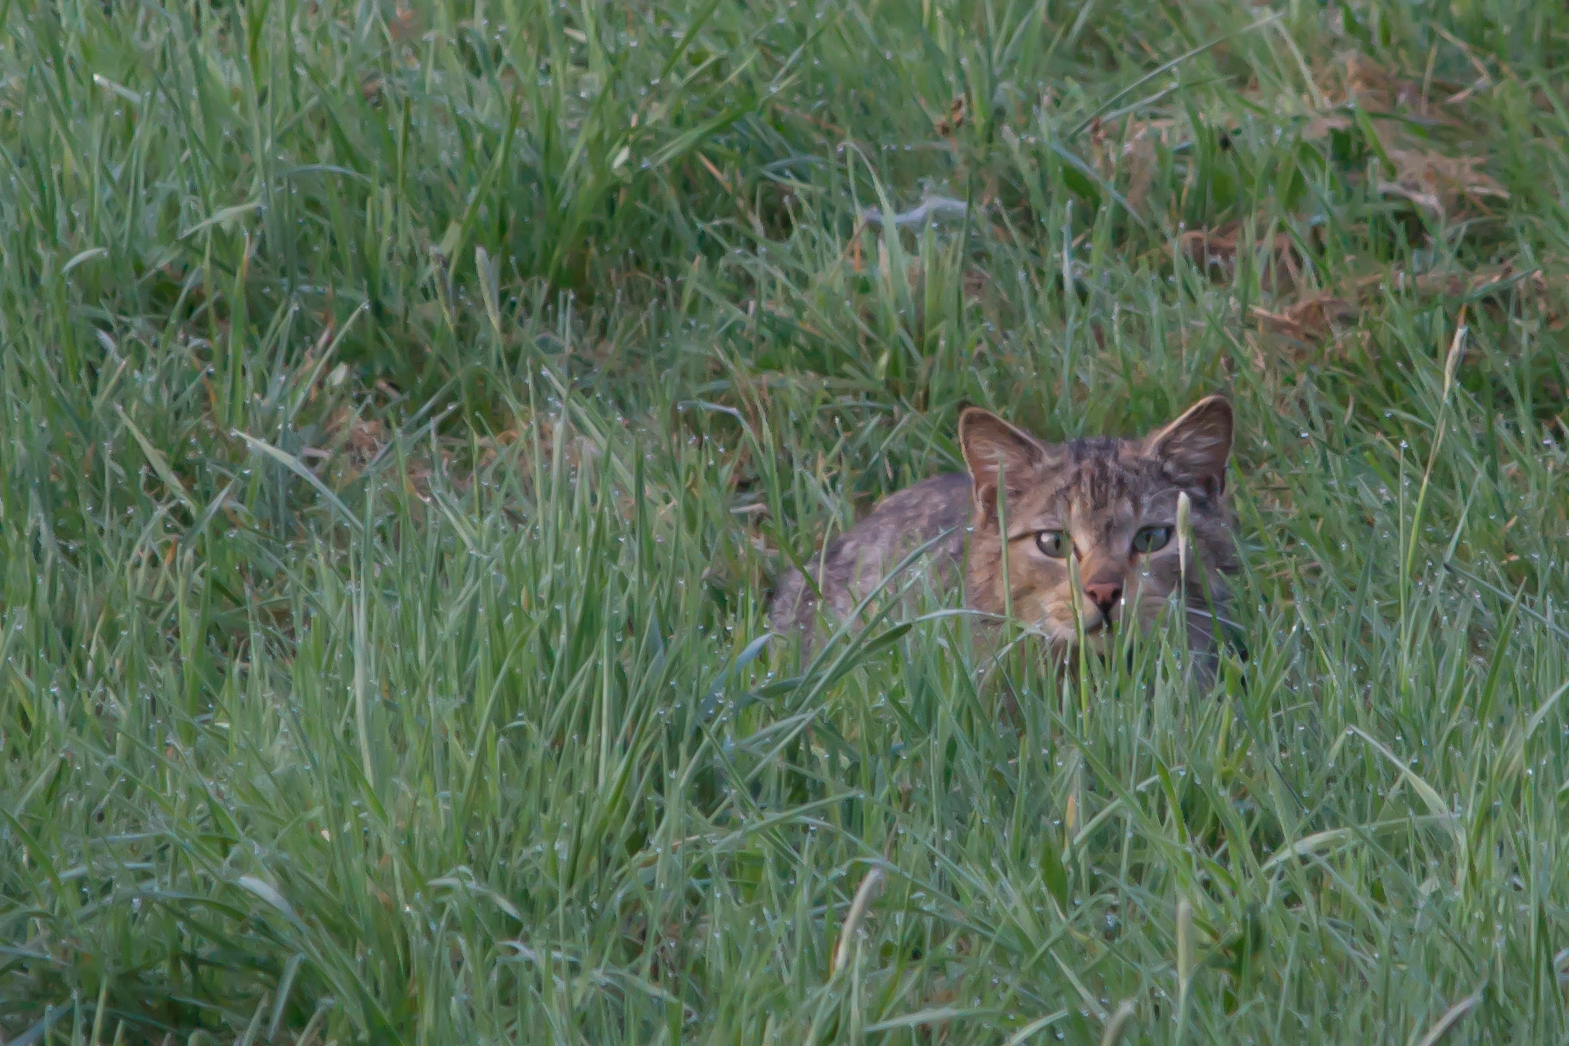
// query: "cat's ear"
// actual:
[[991, 445], [1197, 444]]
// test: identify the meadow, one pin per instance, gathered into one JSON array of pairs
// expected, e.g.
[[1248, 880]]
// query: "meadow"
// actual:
[[405, 411]]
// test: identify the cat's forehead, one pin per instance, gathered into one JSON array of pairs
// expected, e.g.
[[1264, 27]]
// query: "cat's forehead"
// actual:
[[1103, 475]]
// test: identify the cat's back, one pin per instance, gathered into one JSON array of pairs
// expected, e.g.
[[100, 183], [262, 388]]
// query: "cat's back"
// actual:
[[852, 565]]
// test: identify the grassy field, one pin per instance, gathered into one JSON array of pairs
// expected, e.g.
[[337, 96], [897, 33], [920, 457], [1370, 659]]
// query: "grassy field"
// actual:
[[404, 413]]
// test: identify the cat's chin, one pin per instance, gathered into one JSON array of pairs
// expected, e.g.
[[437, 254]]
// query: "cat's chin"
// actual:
[[1100, 639], [1104, 637], [1066, 638]]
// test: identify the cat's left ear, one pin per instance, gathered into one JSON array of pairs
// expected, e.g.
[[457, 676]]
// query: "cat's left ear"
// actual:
[[992, 446], [1197, 444]]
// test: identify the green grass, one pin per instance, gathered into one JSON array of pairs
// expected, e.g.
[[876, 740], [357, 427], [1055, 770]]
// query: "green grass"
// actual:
[[403, 415]]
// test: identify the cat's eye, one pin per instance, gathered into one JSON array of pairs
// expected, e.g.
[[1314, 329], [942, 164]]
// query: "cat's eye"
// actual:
[[1151, 539], [1052, 542]]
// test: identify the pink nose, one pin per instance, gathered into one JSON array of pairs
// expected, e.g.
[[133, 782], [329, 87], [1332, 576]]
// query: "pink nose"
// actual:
[[1104, 595]]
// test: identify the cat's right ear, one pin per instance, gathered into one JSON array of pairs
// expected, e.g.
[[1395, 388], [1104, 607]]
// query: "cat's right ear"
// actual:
[[1198, 443], [991, 445]]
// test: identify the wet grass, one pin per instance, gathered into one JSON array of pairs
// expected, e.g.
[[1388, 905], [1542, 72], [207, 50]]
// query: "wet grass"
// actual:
[[406, 411]]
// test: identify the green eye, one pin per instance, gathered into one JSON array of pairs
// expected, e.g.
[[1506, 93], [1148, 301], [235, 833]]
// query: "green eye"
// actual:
[[1052, 543], [1151, 539]]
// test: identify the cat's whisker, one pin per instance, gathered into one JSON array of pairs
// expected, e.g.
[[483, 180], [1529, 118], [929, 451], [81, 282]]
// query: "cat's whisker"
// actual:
[[1212, 617]]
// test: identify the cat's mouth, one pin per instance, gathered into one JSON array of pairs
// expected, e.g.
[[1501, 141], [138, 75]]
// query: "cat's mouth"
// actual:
[[1096, 633], [1096, 628], [1101, 624]]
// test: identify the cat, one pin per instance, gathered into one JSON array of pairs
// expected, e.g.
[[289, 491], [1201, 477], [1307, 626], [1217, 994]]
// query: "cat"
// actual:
[[1091, 537]]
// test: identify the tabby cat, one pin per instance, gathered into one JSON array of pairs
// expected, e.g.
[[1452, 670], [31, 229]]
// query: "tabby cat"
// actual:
[[1091, 539]]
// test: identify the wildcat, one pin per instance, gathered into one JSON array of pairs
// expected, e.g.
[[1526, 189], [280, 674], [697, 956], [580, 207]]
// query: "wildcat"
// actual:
[[1091, 539]]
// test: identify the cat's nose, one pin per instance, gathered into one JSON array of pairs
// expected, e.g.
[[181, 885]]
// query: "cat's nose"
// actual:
[[1104, 594]]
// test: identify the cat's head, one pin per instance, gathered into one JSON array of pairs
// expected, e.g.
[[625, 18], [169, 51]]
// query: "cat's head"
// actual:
[[1091, 525]]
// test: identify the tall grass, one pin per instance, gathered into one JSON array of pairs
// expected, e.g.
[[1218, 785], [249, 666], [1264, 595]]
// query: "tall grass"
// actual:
[[405, 412]]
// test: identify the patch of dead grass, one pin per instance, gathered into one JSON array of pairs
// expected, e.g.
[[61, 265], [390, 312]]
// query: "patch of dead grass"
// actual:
[[1445, 185], [1278, 262], [1310, 320]]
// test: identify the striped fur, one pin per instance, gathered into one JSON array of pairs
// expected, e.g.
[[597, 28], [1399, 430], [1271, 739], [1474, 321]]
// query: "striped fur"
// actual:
[[1097, 493]]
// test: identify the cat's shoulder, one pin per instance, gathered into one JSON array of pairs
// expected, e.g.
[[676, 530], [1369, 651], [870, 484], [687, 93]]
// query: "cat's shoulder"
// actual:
[[944, 497], [896, 526], [906, 518]]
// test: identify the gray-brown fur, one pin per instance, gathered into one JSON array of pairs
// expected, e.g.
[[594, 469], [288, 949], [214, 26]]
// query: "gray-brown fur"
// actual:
[[854, 564], [1097, 494]]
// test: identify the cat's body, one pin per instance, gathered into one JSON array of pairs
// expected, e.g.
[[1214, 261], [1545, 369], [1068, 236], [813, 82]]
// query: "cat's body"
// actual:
[[1091, 531], [852, 566]]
